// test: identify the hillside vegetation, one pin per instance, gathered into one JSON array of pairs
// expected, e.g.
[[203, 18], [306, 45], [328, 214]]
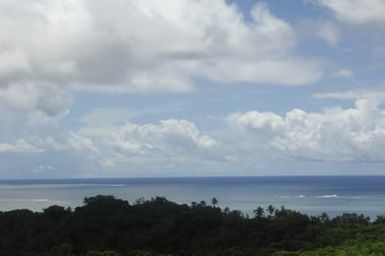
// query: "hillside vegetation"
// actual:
[[105, 226]]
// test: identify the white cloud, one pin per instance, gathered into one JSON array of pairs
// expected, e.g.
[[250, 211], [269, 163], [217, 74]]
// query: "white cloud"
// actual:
[[353, 134], [250, 141], [345, 73], [143, 46], [169, 142], [247, 143], [372, 95], [329, 32], [325, 30], [357, 12], [19, 146], [46, 98]]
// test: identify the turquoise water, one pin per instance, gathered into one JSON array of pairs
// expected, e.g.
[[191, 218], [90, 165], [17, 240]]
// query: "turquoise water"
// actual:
[[312, 194]]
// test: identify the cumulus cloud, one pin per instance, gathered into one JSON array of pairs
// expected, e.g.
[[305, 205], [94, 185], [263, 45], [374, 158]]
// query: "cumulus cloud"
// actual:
[[46, 98], [19, 146], [352, 134], [248, 141], [357, 12], [168, 142], [142, 46]]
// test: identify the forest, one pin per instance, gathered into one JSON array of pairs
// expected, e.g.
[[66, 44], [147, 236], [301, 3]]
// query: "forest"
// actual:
[[107, 226]]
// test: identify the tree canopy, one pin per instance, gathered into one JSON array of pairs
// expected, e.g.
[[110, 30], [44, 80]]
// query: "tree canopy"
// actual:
[[106, 226]]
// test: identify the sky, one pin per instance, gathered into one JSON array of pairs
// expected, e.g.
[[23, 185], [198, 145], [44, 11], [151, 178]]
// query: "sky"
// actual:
[[127, 88]]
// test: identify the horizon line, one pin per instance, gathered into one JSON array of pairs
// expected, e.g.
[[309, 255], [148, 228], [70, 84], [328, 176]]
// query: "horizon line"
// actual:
[[184, 177]]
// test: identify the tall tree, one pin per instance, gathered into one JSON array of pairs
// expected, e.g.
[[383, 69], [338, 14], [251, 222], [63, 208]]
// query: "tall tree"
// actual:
[[259, 212], [214, 201]]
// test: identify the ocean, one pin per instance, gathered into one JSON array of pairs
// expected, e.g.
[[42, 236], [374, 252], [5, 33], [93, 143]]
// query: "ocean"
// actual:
[[311, 194]]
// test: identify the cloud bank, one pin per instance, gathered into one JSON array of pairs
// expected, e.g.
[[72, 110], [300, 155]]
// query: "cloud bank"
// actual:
[[352, 134], [247, 141], [168, 143], [49, 47], [357, 12]]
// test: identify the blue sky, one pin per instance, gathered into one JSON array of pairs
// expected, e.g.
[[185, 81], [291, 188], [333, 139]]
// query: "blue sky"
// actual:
[[191, 88]]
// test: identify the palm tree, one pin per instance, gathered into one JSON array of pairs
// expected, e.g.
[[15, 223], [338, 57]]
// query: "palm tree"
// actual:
[[270, 209], [259, 212], [214, 201]]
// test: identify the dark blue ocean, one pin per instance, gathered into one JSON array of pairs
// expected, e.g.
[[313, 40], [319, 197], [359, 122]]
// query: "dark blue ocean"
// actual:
[[311, 194]]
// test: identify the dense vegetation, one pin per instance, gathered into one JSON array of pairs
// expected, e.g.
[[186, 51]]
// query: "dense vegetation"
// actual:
[[108, 226]]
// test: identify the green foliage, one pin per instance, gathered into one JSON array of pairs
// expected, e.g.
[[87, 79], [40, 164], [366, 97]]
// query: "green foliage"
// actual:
[[359, 249], [140, 253], [106, 226], [105, 253]]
